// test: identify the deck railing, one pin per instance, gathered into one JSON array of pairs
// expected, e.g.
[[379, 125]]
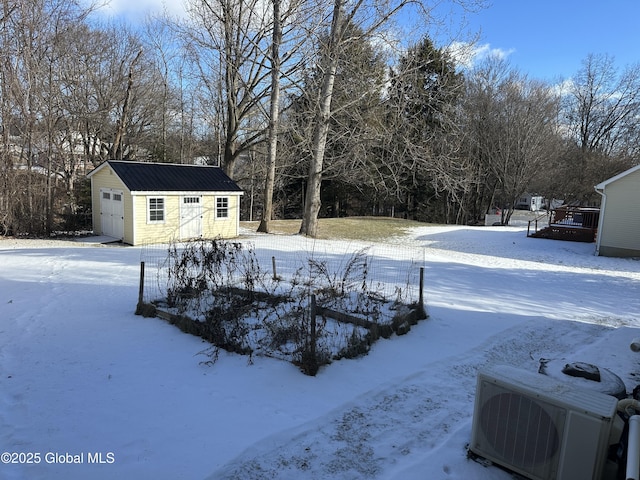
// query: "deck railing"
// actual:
[[575, 217], [537, 221], [567, 222]]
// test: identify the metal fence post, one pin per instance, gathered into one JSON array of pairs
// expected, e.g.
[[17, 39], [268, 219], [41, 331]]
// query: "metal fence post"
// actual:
[[141, 288]]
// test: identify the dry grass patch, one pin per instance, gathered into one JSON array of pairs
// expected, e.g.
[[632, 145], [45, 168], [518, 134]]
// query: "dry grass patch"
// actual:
[[350, 228]]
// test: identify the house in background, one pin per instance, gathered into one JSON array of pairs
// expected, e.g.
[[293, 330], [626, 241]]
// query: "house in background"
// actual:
[[618, 232], [139, 202], [531, 202]]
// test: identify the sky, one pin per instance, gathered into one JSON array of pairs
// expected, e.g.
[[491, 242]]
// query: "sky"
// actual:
[[136, 10], [545, 39], [81, 374]]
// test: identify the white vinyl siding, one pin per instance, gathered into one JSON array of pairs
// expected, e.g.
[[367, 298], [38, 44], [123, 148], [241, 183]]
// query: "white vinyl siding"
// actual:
[[619, 229]]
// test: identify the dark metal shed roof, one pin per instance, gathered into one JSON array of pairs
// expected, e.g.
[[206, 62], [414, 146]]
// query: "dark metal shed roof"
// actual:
[[170, 177]]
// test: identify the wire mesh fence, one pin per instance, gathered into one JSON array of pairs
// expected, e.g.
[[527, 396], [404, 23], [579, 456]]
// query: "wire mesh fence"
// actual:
[[304, 300]]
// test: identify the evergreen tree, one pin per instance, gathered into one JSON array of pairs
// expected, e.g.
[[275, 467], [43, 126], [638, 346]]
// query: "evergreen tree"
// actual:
[[422, 114]]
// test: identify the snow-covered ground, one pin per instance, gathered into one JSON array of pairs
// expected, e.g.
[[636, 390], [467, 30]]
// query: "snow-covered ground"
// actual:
[[81, 375]]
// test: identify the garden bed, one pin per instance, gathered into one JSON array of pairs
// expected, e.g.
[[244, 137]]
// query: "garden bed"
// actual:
[[217, 290]]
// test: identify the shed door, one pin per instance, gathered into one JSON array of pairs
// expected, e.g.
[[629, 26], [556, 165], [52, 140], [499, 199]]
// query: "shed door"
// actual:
[[191, 217], [112, 213]]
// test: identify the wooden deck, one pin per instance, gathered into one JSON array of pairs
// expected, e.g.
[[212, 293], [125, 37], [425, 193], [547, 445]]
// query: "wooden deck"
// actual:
[[576, 224]]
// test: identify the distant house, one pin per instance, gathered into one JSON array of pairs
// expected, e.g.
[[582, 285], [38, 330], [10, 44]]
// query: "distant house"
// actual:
[[619, 225], [529, 201], [139, 202]]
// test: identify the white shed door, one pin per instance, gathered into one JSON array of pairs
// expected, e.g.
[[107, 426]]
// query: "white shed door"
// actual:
[[112, 213], [191, 217]]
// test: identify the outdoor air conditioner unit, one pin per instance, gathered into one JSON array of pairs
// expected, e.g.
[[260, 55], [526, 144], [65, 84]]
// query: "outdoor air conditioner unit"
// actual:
[[541, 428]]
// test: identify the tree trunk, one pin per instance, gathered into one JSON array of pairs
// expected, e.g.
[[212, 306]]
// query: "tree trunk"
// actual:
[[121, 125], [312, 205], [267, 209], [232, 83]]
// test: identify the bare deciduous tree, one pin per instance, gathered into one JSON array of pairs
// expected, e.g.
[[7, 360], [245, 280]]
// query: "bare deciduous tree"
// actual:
[[228, 39], [368, 17], [512, 119], [601, 114], [32, 49], [602, 104], [284, 28]]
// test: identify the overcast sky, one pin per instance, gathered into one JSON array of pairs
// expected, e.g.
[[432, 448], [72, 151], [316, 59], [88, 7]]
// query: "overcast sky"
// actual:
[[546, 39]]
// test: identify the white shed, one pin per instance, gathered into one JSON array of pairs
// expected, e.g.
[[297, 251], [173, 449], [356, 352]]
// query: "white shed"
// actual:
[[619, 225]]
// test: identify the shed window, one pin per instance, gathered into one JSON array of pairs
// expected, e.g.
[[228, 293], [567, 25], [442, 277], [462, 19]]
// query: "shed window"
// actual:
[[222, 207], [156, 210]]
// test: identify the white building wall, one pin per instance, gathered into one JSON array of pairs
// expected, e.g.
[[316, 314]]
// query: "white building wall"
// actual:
[[619, 229]]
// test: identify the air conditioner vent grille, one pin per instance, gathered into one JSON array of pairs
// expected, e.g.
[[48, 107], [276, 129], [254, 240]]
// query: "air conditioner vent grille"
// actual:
[[520, 431]]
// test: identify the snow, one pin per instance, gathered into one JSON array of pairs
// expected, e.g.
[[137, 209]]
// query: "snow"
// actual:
[[80, 374]]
